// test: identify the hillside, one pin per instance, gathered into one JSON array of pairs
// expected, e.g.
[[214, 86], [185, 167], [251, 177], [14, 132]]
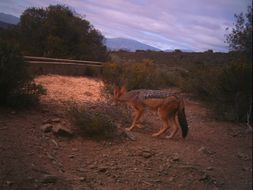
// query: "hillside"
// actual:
[[173, 58], [127, 44], [5, 25], [7, 18]]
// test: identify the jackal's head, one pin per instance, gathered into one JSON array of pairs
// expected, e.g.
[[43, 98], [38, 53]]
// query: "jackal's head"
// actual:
[[118, 92]]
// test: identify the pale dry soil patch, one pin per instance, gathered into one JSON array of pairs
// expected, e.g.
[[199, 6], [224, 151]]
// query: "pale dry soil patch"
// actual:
[[215, 155]]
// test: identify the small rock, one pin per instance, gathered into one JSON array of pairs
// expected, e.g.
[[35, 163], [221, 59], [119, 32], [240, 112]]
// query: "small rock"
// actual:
[[128, 135], [209, 168], [243, 156], [55, 143], [92, 166], [50, 156], [157, 181], [74, 149], [9, 183], [146, 154], [175, 157], [71, 156], [102, 169], [61, 170], [46, 121], [81, 170], [81, 178], [204, 177], [46, 128], [247, 169], [62, 131], [235, 134], [48, 178], [180, 185], [206, 151], [171, 179], [56, 120]]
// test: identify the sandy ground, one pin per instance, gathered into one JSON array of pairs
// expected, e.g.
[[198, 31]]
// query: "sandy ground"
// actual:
[[62, 89], [215, 155]]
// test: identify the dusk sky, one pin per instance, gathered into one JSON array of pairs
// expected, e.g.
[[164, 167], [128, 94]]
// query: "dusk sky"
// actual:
[[196, 25]]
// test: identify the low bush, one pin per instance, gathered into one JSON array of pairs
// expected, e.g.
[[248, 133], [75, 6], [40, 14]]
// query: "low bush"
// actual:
[[91, 123]]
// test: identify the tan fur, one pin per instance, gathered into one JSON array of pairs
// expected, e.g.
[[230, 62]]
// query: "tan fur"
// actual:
[[167, 107]]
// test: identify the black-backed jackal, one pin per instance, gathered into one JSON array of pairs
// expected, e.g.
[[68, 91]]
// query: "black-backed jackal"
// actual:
[[170, 108]]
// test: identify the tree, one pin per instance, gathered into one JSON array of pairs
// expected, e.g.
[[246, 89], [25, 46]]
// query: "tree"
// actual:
[[57, 31], [177, 51], [240, 38]]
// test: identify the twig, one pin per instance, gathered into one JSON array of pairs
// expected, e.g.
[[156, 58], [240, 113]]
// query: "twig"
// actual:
[[147, 183], [248, 117]]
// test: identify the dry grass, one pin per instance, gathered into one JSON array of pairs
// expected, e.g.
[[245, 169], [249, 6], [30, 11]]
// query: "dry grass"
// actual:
[[62, 89]]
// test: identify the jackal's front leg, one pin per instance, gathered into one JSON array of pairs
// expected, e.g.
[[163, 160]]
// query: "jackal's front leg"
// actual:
[[135, 122]]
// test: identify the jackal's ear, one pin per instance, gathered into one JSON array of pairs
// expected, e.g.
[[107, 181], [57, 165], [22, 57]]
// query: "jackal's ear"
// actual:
[[116, 90], [123, 89]]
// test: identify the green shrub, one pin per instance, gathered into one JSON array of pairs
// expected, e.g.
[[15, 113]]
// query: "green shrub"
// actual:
[[135, 75], [234, 90], [17, 87], [226, 89], [91, 123]]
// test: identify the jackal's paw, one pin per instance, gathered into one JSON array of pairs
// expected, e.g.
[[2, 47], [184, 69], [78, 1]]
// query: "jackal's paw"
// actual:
[[128, 129], [139, 126], [155, 135], [169, 137]]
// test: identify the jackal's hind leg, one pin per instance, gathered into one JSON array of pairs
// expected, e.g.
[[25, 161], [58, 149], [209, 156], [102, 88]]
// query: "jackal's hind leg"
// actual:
[[175, 124], [161, 131], [163, 115]]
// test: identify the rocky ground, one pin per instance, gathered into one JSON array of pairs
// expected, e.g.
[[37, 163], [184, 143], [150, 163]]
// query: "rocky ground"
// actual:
[[40, 149]]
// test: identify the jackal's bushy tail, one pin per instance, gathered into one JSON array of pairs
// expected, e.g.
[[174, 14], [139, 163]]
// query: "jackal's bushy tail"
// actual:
[[182, 118]]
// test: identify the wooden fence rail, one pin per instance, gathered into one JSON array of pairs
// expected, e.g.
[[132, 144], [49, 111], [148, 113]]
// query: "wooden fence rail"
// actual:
[[45, 65]]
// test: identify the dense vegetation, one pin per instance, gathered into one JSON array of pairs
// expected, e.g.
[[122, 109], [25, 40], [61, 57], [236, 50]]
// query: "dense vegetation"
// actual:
[[56, 31], [17, 87]]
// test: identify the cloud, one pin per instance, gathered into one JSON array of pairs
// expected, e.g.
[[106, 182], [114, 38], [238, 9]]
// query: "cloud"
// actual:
[[167, 24]]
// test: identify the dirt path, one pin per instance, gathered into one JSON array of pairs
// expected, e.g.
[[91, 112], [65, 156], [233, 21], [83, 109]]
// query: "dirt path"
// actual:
[[215, 155]]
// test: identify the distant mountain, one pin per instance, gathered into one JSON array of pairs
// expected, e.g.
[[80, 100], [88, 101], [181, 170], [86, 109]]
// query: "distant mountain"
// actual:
[[127, 44], [9, 19], [5, 25]]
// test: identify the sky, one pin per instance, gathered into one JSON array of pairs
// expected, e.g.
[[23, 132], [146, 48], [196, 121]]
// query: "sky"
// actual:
[[196, 25]]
